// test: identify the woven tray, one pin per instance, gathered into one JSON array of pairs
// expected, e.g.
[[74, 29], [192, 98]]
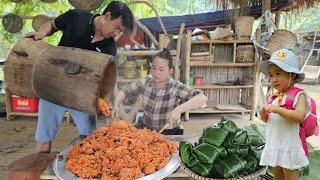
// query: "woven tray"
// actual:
[[252, 176], [87, 5]]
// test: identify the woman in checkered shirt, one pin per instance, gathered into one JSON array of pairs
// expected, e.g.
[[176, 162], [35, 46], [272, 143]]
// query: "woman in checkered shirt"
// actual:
[[163, 99]]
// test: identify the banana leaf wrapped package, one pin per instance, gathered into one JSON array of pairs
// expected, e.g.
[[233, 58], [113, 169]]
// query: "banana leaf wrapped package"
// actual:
[[207, 153], [185, 151], [202, 169], [230, 166], [252, 163], [241, 150], [228, 125], [214, 135], [223, 151]]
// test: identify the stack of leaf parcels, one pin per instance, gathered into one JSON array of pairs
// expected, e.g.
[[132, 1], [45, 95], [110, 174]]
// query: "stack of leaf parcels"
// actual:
[[223, 151]]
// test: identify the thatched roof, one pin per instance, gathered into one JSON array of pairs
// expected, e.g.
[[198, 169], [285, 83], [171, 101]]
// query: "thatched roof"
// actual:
[[227, 4]]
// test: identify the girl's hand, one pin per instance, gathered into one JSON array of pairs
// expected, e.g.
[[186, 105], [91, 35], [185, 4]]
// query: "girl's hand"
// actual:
[[264, 114], [174, 117], [270, 108]]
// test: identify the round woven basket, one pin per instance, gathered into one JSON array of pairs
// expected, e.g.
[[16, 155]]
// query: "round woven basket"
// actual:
[[12, 23], [252, 176], [245, 53], [87, 5], [38, 20], [243, 27], [16, 1], [280, 39]]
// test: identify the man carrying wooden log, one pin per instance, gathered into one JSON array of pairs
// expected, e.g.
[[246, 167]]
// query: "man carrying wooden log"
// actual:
[[83, 30]]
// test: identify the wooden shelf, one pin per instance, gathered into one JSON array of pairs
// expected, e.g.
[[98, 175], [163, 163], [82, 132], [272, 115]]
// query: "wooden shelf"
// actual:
[[213, 86], [211, 64], [141, 52], [217, 61], [201, 59], [221, 42], [216, 110]]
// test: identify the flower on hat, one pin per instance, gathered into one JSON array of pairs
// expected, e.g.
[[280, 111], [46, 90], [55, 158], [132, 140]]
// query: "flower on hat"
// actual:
[[281, 55]]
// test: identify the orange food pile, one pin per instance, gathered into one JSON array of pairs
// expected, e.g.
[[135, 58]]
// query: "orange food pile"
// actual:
[[120, 151], [103, 107]]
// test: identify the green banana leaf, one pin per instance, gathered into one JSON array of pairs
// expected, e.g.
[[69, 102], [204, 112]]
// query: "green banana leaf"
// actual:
[[255, 140], [240, 150], [192, 162], [228, 141], [228, 125], [251, 165], [207, 153], [230, 166], [311, 172], [214, 135], [202, 169], [257, 151], [240, 138], [259, 130], [185, 151]]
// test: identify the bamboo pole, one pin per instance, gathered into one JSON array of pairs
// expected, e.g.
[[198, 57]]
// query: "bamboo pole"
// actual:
[[176, 61], [147, 31], [277, 19], [155, 11], [187, 73]]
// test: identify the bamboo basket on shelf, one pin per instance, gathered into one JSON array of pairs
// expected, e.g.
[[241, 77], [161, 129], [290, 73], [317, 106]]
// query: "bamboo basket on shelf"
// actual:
[[243, 27], [245, 53], [253, 176]]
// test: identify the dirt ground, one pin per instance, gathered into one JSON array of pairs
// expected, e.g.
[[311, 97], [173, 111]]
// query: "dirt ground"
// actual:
[[17, 136]]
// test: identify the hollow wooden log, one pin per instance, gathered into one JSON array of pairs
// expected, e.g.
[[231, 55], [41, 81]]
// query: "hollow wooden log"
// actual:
[[19, 66], [69, 77]]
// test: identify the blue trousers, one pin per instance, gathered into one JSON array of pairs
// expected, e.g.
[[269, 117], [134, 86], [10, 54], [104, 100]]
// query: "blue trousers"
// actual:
[[50, 117]]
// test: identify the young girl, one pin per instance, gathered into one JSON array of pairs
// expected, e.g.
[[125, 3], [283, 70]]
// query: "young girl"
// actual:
[[283, 149]]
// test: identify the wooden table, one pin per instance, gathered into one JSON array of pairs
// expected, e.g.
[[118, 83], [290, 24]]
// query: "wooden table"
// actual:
[[179, 174]]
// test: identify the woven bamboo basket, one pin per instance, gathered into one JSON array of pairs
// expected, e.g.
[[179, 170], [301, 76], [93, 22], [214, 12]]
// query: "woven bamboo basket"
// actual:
[[254, 176], [280, 39], [16, 1], [12, 23], [87, 5], [38, 20], [245, 53], [243, 27]]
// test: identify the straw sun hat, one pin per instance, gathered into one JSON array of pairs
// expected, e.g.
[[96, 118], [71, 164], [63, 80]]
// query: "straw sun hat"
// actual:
[[286, 60]]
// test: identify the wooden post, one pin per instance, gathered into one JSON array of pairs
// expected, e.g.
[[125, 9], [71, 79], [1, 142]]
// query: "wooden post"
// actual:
[[176, 62], [187, 75], [8, 97], [265, 7], [277, 19], [258, 76]]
